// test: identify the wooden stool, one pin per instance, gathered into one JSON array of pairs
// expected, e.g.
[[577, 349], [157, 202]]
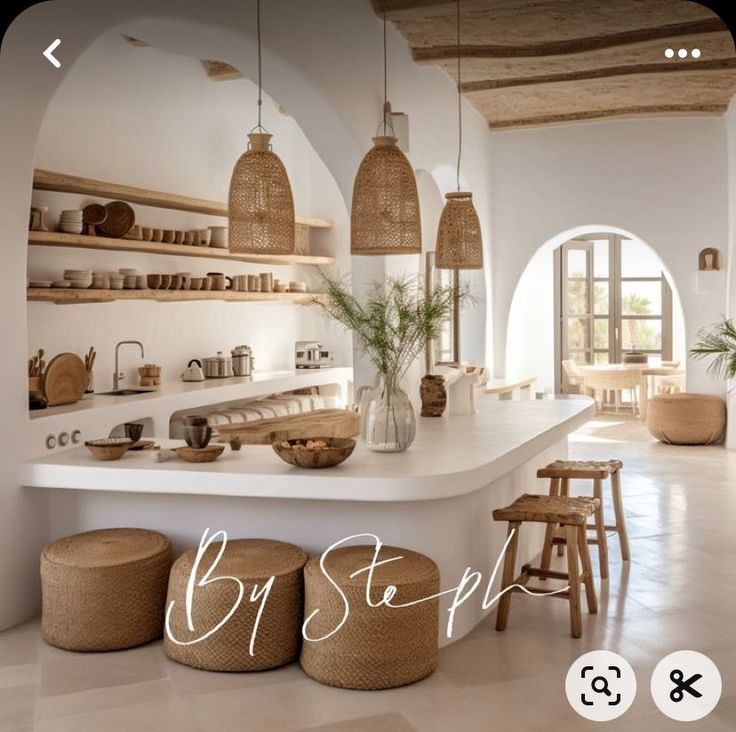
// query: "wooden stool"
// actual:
[[570, 513], [560, 473]]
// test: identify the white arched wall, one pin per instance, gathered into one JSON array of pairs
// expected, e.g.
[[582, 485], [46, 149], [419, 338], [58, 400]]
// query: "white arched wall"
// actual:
[[530, 344], [322, 61], [665, 179]]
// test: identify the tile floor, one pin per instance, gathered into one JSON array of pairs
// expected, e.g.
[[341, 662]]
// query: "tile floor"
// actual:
[[678, 592]]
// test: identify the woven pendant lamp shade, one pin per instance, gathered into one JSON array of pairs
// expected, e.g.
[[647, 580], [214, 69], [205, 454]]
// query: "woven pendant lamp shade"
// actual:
[[459, 243], [385, 213], [261, 204]]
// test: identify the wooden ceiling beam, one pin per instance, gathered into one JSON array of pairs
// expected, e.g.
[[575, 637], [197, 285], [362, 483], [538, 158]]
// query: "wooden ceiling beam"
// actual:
[[433, 54], [666, 67], [669, 110]]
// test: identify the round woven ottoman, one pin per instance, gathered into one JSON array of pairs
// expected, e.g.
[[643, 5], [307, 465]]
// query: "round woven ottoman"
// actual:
[[104, 590], [377, 647], [686, 419], [253, 562]]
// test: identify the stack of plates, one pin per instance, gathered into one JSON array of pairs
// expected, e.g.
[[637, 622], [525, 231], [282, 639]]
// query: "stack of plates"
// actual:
[[116, 281], [297, 286], [39, 283], [71, 222], [129, 277], [100, 281], [79, 278]]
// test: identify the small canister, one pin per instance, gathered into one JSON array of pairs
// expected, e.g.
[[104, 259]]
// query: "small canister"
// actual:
[[217, 367], [242, 357], [266, 282]]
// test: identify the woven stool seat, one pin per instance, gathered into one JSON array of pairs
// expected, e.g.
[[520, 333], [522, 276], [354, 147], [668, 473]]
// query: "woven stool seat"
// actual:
[[581, 469], [547, 509], [104, 590], [377, 647], [253, 562]]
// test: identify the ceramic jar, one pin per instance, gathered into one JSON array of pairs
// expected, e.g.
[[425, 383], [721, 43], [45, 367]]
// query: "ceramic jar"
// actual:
[[434, 395]]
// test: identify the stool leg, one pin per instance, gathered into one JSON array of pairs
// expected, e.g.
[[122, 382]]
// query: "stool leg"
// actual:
[[590, 596], [618, 507], [573, 571], [600, 529], [564, 492], [507, 579], [554, 490]]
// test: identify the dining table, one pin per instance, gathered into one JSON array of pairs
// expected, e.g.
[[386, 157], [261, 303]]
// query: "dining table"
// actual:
[[620, 377]]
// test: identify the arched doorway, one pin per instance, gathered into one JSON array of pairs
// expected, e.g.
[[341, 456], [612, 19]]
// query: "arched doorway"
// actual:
[[589, 295]]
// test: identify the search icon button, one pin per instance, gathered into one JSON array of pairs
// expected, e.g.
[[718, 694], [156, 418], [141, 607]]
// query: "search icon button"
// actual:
[[602, 687]]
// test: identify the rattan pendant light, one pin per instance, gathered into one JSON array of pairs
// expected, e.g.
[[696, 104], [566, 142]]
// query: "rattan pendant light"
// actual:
[[260, 203], [459, 241], [384, 217]]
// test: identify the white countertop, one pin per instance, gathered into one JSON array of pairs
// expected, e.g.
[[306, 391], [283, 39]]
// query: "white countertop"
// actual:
[[451, 456]]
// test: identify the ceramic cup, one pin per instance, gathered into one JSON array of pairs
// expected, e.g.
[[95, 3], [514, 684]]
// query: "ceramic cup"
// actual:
[[195, 283], [186, 279], [158, 235], [204, 237], [136, 233], [175, 282], [240, 283], [218, 236], [217, 279], [141, 282], [147, 233], [154, 281], [169, 236], [197, 437], [165, 281], [133, 431], [189, 237], [266, 282], [179, 237], [206, 283]]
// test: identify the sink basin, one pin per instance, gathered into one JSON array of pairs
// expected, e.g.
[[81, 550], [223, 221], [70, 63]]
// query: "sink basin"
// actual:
[[125, 392]]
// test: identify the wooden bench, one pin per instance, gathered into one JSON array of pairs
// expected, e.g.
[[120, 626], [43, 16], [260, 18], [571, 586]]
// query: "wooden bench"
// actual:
[[505, 388]]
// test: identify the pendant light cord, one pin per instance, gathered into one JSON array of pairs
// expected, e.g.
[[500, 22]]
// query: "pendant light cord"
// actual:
[[259, 126], [386, 127], [459, 103]]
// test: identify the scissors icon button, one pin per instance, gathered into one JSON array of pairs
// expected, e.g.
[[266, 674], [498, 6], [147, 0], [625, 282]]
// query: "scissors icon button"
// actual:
[[682, 685]]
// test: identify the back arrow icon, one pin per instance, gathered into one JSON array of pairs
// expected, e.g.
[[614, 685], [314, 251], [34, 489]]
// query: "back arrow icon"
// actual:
[[49, 53]]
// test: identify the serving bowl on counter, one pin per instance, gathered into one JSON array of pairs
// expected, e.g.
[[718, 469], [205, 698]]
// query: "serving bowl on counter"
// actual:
[[318, 452], [109, 448]]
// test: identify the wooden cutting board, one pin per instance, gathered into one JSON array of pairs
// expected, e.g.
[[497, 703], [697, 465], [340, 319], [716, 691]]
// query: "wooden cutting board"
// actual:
[[64, 380], [320, 423]]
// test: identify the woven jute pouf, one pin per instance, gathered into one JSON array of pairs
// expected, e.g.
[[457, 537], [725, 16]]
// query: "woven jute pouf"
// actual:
[[104, 590], [686, 419], [377, 647], [253, 562]]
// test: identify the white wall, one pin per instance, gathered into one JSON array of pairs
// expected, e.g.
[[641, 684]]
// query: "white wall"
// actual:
[[731, 270], [322, 61], [663, 180], [177, 132]]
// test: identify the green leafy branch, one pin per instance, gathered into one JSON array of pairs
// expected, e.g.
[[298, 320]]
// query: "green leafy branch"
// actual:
[[717, 343]]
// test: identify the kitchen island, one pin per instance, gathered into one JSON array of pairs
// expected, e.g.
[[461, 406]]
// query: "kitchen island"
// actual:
[[436, 498]]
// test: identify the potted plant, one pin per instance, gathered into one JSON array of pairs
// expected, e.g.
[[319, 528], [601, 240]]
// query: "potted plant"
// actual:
[[393, 324], [717, 343]]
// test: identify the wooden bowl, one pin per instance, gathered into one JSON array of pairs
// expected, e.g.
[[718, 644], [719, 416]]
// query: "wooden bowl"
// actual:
[[296, 453], [110, 448], [203, 455]]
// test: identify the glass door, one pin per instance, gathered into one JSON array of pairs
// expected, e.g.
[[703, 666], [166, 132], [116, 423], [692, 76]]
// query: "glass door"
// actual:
[[577, 312]]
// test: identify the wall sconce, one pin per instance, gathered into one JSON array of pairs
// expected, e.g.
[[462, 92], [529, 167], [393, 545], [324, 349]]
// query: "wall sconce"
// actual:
[[709, 260]]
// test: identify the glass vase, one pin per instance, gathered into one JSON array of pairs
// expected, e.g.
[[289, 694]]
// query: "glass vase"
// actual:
[[387, 421]]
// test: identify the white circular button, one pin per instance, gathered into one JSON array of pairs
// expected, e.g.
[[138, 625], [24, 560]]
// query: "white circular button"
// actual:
[[76, 436], [63, 439], [682, 53], [669, 53], [600, 685], [695, 53], [50, 442], [686, 685]]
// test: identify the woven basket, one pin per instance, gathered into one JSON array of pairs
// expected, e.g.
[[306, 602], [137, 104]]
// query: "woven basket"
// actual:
[[104, 590], [253, 561], [384, 217], [459, 241], [261, 204], [377, 647]]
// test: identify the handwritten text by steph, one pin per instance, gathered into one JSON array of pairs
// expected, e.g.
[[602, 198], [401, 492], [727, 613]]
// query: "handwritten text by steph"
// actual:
[[467, 586]]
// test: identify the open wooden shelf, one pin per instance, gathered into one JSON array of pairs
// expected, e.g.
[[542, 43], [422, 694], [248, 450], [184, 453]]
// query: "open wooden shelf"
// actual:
[[61, 296], [80, 241], [47, 180]]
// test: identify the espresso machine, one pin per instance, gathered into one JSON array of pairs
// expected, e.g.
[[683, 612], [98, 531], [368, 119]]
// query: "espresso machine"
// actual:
[[311, 355]]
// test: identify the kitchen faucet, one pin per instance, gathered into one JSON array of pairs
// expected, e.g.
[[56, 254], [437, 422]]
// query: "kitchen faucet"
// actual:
[[118, 376]]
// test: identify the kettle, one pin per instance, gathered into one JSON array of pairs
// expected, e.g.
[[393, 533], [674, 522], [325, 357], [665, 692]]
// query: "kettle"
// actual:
[[193, 372]]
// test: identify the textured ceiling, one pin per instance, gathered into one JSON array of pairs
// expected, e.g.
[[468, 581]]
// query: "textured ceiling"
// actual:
[[535, 62]]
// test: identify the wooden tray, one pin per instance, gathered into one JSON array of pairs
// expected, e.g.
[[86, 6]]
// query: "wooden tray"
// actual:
[[320, 423], [65, 380], [119, 221]]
